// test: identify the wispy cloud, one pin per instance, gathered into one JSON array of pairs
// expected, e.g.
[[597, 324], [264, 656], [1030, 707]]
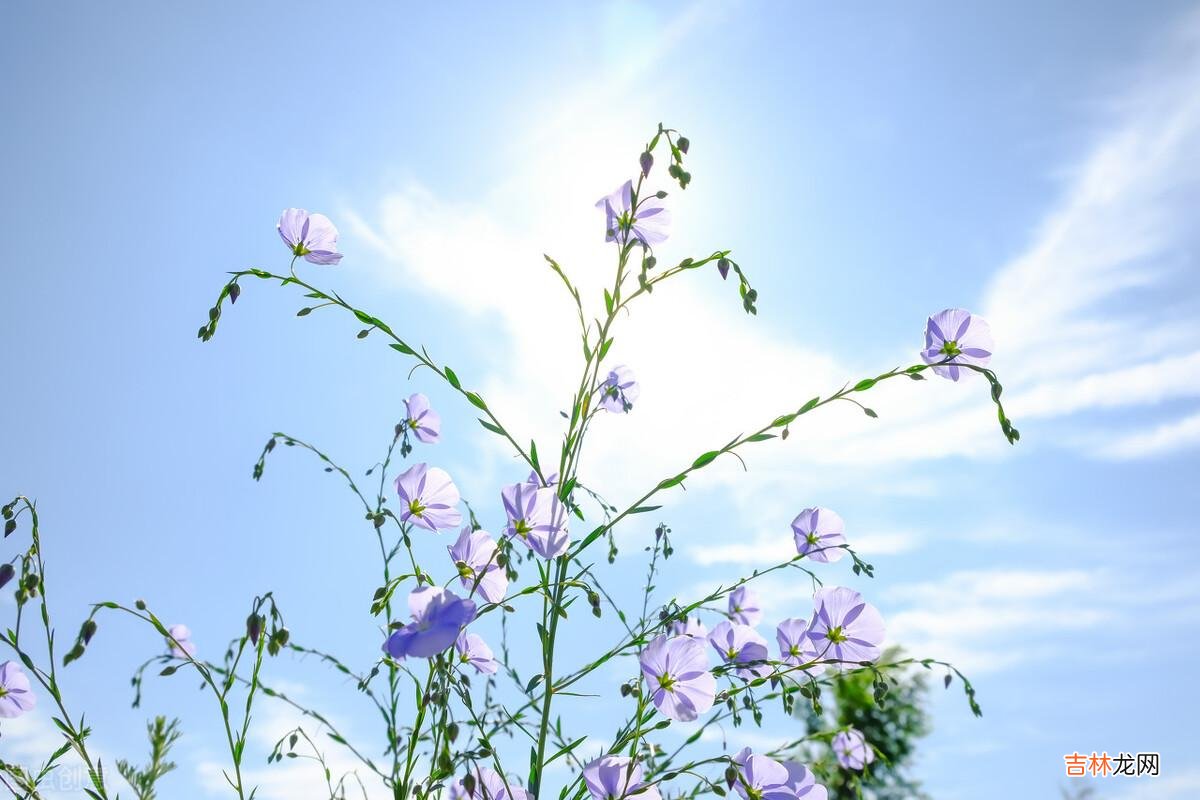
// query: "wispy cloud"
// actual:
[[1169, 437]]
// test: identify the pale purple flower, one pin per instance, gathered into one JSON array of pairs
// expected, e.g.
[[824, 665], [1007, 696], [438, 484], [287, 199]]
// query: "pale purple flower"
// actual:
[[537, 517], [619, 391], [182, 645], [649, 225], [489, 785], [852, 750], [804, 783], [438, 617], [311, 236], [744, 607], [428, 498], [616, 778], [551, 479], [795, 648], [15, 695], [473, 650], [676, 670], [761, 778], [421, 419], [474, 555], [740, 644], [845, 627], [958, 335], [692, 626], [818, 532]]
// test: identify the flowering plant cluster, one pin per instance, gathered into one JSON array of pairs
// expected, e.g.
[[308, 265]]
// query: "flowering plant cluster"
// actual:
[[454, 704]]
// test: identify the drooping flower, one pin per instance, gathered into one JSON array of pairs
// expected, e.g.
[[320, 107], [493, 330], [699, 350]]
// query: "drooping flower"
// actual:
[[438, 617], [489, 785], [744, 607], [537, 517], [676, 669], [182, 645], [795, 648], [761, 778], [818, 532], [741, 644], [619, 391], [845, 627], [649, 224], [617, 778], [311, 236], [421, 419], [960, 336], [428, 498], [473, 650], [692, 626], [804, 783], [852, 750], [16, 697], [474, 555]]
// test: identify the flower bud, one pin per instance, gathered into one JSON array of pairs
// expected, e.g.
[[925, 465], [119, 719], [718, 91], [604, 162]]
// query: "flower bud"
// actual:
[[683, 144], [723, 268], [646, 161], [235, 292], [254, 624], [9, 527], [88, 631], [140, 605], [6, 574]]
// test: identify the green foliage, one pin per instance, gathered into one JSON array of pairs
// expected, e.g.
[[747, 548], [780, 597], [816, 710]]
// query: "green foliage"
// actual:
[[162, 735]]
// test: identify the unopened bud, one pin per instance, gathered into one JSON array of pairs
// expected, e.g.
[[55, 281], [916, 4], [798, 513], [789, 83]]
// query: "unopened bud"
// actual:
[[140, 605], [683, 144], [723, 268], [646, 161], [88, 631], [6, 574], [235, 292], [254, 624]]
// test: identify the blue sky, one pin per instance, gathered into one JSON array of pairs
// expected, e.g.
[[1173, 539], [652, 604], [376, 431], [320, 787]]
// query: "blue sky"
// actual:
[[1035, 163]]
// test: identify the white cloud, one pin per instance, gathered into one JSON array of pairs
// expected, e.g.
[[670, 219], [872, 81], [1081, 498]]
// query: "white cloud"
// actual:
[[1065, 348], [290, 779], [1169, 437]]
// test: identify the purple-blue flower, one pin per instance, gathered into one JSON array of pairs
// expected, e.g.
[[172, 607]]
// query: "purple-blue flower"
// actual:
[[818, 532], [852, 750], [741, 644], [489, 785], [180, 644], [619, 391], [473, 650], [438, 617], [551, 479], [804, 783], [692, 626], [649, 224], [311, 236], [474, 555], [744, 607], [676, 670], [421, 419], [795, 648], [845, 627], [15, 695], [428, 498], [761, 778], [616, 778], [960, 336], [537, 517]]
